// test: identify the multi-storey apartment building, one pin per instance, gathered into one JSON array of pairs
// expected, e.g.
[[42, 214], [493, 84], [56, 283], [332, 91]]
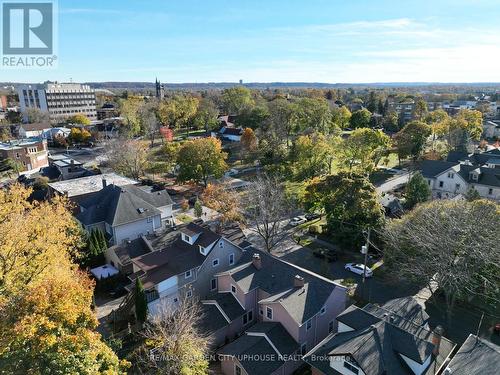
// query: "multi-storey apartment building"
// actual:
[[60, 100]]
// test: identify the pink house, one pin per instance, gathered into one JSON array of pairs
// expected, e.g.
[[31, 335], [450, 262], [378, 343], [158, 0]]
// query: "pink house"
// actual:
[[274, 311]]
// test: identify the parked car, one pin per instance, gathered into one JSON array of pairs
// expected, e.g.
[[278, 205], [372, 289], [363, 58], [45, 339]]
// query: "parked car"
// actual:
[[297, 221], [312, 216], [358, 269], [329, 255]]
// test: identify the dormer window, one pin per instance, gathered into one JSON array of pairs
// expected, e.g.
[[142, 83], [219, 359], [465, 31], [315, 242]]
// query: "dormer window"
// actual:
[[203, 251], [186, 238], [473, 176], [351, 365]]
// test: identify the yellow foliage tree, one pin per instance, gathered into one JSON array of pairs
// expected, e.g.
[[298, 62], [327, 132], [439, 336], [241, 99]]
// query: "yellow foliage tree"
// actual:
[[47, 324]]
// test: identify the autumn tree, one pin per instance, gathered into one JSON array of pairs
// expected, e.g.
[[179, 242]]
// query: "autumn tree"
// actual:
[[178, 111], [248, 142], [453, 243], [206, 115], [417, 190], [174, 342], [363, 149], [128, 157], [148, 119], [341, 116], [78, 135], [79, 118], [314, 114], [410, 140], [225, 201], [420, 111], [201, 158], [282, 119], [129, 110], [360, 118], [311, 155], [47, 324], [252, 117], [235, 99], [350, 203]]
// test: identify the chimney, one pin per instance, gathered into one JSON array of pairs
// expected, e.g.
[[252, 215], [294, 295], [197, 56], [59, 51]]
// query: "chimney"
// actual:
[[104, 183], [436, 339], [298, 281], [257, 263]]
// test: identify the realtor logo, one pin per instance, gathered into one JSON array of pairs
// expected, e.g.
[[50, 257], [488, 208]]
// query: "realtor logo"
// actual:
[[28, 34], [27, 28]]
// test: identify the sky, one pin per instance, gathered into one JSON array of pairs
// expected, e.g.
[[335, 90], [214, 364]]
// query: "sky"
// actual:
[[334, 41]]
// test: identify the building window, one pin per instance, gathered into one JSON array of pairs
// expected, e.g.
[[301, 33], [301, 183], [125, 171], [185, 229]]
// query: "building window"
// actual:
[[349, 364], [269, 313], [490, 191], [231, 259], [441, 184], [215, 262], [450, 174], [261, 311], [213, 284], [176, 299], [188, 274], [221, 244], [189, 293], [308, 324], [150, 219], [303, 349], [323, 310], [330, 327], [248, 317], [237, 370], [233, 289], [429, 182]]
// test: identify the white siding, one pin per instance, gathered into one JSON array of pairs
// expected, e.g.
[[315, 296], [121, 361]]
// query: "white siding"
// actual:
[[135, 229]]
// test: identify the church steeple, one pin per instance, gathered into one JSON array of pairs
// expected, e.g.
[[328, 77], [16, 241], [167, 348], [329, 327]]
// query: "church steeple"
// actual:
[[160, 93]]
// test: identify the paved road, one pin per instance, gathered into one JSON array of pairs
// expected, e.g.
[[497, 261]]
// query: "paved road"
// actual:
[[393, 183]]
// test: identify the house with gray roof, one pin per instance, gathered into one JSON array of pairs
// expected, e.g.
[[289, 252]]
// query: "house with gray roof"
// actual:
[[476, 356], [271, 290], [392, 339], [182, 264], [126, 212], [461, 172]]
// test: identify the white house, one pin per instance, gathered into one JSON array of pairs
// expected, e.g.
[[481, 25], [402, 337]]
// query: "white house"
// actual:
[[448, 179], [127, 212], [33, 130]]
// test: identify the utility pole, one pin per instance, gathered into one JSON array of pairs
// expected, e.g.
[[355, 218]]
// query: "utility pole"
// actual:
[[364, 250]]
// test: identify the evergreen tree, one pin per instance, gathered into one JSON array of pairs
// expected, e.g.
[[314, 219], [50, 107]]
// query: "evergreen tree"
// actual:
[[417, 190], [141, 304], [198, 209], [472, 195]]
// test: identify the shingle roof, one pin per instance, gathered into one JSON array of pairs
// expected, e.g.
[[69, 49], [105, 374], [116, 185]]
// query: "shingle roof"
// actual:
[[276, 277], [431, 168], [228, 303], [377, 342], [250, 350], [116, 206], [36, 126], [211, 319], [487, 176], [476, 357], [175, 259], [131, 249]]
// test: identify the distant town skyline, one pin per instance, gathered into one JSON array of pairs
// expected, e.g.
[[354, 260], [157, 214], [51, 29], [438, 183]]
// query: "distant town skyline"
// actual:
[[280, 41]]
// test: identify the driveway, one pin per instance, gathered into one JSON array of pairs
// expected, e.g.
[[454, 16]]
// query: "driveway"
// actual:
[[393, 183]]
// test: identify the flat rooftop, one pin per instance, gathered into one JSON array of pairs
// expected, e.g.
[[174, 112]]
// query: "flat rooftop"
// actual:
[[90, 184]]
